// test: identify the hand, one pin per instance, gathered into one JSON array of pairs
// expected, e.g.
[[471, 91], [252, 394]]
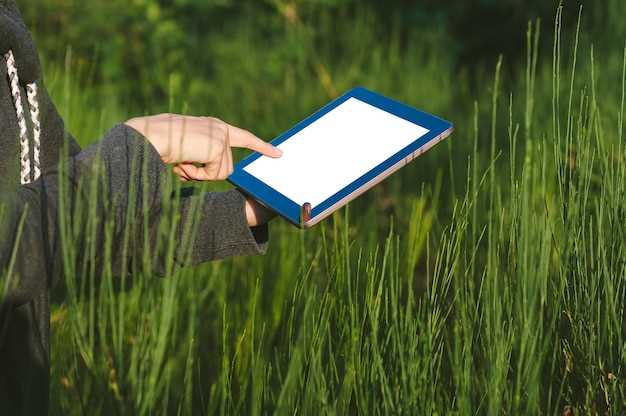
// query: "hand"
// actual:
[[185, 141], [200, 147]]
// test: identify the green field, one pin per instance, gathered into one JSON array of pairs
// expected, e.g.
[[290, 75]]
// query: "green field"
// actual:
[[488, 277]]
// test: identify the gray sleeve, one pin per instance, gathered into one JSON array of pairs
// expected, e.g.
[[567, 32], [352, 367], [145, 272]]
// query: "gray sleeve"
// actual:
[[115, 197], [221, 229], [201, 226]]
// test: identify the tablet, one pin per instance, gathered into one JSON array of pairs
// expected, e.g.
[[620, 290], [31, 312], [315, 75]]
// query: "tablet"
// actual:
[[337, 154]]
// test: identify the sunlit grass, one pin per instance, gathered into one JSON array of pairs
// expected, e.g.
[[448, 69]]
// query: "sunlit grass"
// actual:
[[487, 277]]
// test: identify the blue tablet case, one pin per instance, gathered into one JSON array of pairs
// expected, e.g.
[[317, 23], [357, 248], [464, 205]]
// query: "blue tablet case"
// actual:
[[305, 217]]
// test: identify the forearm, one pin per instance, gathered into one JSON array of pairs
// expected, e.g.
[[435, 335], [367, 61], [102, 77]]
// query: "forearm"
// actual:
[[151, 210], [117, 197]]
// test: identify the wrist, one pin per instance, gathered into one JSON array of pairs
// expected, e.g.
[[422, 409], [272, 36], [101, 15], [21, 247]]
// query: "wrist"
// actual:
[[256, 213]]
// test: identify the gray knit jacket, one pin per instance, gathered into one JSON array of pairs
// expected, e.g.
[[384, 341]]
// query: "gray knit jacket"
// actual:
[[30, 246]]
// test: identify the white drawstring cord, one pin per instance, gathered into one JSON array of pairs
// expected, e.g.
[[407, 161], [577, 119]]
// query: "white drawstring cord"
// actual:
[[31, 92], [33, 104]]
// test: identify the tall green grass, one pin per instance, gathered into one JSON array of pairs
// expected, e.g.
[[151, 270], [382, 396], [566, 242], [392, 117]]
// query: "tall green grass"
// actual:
[[487, 277]]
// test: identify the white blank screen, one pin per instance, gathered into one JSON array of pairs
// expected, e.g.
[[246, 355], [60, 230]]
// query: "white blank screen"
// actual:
[[334, 151]]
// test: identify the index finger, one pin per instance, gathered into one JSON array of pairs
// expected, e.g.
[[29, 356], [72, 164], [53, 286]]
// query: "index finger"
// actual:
[[243, 138]]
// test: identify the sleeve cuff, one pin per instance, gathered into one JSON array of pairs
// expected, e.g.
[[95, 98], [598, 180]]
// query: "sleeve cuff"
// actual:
[[225, 224]]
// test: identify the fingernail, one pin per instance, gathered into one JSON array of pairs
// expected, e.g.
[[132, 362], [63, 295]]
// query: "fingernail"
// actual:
[[278, 151]]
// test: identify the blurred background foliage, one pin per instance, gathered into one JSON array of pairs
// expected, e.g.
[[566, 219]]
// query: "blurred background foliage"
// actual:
[[146, 48], [266, 64]]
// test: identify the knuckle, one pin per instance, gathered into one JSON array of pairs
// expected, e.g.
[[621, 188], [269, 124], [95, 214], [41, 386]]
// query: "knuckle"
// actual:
[[216, 123], [220, 124], [223, 132], [219, 147], [218, 132]]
